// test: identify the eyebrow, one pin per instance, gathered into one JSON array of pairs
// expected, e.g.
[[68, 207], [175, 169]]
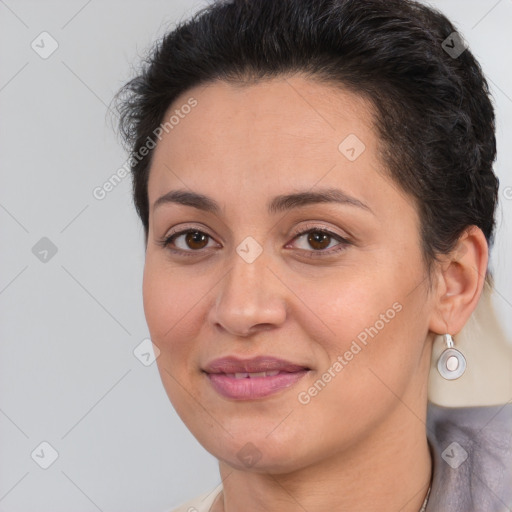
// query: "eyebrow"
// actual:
[[278, 204]]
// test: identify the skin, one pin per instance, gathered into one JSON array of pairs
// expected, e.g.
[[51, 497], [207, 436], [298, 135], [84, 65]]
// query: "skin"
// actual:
[[360, 444]]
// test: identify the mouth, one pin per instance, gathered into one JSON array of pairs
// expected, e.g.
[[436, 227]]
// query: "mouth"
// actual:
[[254, 378], [252, 375]]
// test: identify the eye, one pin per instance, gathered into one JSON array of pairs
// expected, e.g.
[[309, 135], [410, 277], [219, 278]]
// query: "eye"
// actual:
[[314, 240], [321, 241], [189, 240]]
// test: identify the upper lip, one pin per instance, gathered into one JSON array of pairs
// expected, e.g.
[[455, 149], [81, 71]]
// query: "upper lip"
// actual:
[[232, 364]]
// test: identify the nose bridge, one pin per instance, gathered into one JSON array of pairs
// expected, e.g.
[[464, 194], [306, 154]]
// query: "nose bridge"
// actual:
[[250, 294]]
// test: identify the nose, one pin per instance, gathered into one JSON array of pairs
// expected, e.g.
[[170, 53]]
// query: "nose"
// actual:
[[250, 298]]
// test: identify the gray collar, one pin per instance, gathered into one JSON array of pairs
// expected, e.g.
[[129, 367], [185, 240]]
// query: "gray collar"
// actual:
[[472, 458]]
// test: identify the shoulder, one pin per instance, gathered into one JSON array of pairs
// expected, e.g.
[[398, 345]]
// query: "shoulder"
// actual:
[[201, 503], [472, 456]]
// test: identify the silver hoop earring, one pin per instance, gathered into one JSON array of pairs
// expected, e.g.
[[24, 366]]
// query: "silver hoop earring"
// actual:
[[451, 363]]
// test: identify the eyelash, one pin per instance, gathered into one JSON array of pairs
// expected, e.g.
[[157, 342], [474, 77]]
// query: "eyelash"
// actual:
[[343, 242]]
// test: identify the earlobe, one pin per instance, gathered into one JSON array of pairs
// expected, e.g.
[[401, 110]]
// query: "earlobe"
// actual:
[[461, 277]]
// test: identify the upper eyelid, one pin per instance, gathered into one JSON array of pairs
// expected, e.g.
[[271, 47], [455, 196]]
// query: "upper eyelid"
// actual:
[[295, 232], [312, 227], [185, 229]]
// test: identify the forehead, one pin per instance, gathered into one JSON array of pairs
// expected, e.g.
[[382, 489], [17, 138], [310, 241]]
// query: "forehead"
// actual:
[[243, 143], [293, 106], [243, 146], [265, 128]]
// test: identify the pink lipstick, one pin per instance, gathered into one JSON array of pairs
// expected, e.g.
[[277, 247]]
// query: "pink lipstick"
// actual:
[[249, 379]]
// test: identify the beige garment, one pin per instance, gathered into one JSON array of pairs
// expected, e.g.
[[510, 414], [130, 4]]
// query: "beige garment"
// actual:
[[200, 503], [488, 376]]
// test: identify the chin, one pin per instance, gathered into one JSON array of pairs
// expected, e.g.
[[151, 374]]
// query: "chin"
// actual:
[[256, 453]]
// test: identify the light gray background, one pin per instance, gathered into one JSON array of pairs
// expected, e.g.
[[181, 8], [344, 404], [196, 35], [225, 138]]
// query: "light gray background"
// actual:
[[69, 325]]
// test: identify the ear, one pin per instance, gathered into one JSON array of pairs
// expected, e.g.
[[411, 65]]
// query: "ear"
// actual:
[[460, 279]]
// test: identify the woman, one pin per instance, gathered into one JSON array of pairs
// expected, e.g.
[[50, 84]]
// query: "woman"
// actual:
[[315, 183]]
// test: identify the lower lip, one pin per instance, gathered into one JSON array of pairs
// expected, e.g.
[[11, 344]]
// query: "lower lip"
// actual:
[[251, 388]]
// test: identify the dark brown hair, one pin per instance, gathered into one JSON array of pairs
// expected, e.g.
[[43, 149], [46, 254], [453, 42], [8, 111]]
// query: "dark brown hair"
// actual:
[[433, 109]]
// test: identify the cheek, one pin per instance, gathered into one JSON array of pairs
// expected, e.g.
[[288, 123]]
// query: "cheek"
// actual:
[[369, 352], [172, 306], [370, 319], [173, 303], [342, 305]]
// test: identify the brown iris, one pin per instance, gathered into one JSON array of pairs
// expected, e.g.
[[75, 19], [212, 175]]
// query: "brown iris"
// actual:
[[318, 240], [196, 239]]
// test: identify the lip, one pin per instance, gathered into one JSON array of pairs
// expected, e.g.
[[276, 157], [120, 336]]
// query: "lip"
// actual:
[[232, 364], [221, 374]]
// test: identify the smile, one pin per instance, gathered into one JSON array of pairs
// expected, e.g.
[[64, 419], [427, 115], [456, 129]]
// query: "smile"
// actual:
[[254, 378]]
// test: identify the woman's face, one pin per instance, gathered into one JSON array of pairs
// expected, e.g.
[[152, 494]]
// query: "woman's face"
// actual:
[[331, 293]]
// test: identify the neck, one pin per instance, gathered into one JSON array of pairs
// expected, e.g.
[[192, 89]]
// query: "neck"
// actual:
[[388, 471]]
